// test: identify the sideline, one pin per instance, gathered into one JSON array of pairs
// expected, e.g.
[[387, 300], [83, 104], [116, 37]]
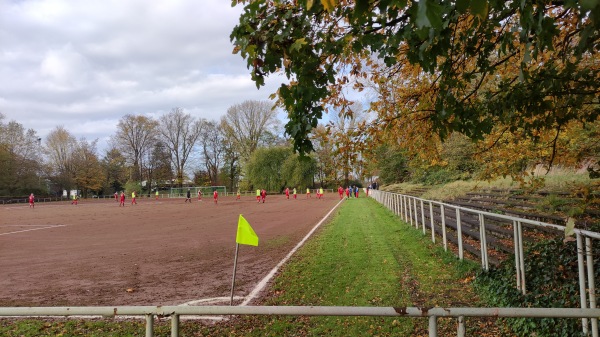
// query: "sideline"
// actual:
[[261, 285], [29, 230]]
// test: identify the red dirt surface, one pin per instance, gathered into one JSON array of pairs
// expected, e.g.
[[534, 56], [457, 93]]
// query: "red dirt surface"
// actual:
[[163, 252]]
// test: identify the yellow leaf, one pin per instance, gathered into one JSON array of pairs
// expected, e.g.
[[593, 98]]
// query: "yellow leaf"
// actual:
[[328, 4], [569, 230], [298, 44], [309, 4]]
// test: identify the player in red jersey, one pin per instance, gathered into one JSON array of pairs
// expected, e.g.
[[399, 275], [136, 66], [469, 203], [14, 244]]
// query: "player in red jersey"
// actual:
[[287, 192], [216, 196], [263, 195], [122, 202], [31, 201]]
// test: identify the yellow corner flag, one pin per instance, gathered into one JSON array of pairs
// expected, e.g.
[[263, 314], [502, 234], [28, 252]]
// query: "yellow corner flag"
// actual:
[[245, 233]]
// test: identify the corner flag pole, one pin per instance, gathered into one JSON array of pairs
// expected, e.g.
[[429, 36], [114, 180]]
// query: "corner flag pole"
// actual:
[[237, 247], [246, 236]]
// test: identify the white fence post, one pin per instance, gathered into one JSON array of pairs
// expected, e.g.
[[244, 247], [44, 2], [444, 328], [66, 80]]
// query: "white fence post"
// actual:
[[520, 269], [174, 325], [461, 327], [591, 283], [433, 326], [582, 287], [416, 214], [483, 243], [444, 238], [410, 211], [405, 208], [459, 234], [521, 257], [423, 217], [149, 325], [431, 218]]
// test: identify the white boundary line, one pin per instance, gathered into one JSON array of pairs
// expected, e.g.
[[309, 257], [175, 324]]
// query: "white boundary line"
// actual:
[[263, 283], [211, 300], [33, 229]]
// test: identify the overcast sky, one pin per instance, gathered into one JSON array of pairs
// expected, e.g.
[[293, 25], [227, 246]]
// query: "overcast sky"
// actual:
[[85, 64]]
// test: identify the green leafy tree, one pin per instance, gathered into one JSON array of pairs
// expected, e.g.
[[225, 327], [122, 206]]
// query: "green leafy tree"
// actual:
[[20, 160], [392, 165], [264, 169], [201, 178], [299, 171], [159, 172], [114, 171], [459, 153], [325, 155], [465, 45]]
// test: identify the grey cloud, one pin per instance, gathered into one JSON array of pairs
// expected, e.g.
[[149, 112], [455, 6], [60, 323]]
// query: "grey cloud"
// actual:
[[85, 64]]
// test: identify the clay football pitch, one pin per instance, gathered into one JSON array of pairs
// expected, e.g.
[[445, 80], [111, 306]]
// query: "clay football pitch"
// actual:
[[158, 252]]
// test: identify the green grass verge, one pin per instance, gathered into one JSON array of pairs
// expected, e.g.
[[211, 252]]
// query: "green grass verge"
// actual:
[[364, 257]]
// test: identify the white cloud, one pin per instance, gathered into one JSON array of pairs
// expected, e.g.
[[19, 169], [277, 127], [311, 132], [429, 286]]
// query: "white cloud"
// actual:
[[85, 64], [65, 68]]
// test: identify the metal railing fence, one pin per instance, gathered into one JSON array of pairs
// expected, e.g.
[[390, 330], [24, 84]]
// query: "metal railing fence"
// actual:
[[25, 200], [408, 208], [175, 312], [165, 194]]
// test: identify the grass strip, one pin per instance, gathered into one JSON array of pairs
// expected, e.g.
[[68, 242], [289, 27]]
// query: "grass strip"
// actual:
[[365, 256]]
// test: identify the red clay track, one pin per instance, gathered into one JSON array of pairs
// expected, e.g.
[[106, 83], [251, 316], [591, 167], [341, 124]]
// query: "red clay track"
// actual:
[[162, 252]]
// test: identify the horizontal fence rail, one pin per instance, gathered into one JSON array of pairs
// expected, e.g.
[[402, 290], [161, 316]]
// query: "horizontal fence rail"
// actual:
[[175, 312], [412, 210], [25, 200]]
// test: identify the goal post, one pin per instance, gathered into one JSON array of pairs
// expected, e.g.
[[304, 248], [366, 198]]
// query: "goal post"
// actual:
[[181, 192]]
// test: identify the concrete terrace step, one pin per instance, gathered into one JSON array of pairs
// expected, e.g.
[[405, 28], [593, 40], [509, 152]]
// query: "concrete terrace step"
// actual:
[[527, 215], [476, 251]]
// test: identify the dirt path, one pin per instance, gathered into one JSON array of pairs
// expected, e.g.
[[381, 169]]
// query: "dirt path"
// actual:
[[161, 252]]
